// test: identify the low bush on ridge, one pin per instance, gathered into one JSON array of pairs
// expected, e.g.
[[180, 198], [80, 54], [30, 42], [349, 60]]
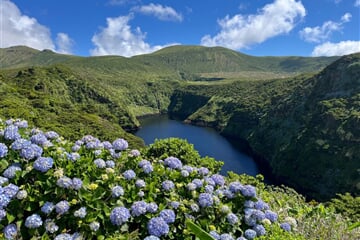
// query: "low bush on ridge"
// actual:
[[51, 188]]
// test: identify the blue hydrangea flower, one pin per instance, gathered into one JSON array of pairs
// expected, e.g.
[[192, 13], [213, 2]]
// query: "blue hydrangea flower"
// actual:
[[33, 221], [209, 189], [143, 162], [43, 164], [191, 186], [10, 231], [205, 200], [261, 205], [2, 214], [97, 152], [141, 194], [286, 226], [50, 226], [3, 180], [194, 207], [107, 145], [215, 235], [10, 190], [39, 139], [167, 185], [218, 179], [232, 218], [168, 215], [249, 204], [140, 183], [185, 173], [10, 172], [3, 150], [151, 238], [62, 207], [147, 168], [100, 163], [248, 191], [188, 168], [203, 171], [51, 135], [74, 156], [110, 164], [64, 182], [119, 216], [31, 151], [226, 236], [134, 153], [225, 209], [77, 183], [81, 212], [174, 204], [198, 182], [138, 208], [235, 187], [63, 236], [152, 207], [129, 174], [258, 215], [75, 148], [272, 216], [47, 207], [20, 143], [117, 191], [94, 226], [260, 230], [120, 144], [173, 163], [4, 200], [229, 194], [21, 123], [250, 234], [158, 227], [11, 133], [241, 238]]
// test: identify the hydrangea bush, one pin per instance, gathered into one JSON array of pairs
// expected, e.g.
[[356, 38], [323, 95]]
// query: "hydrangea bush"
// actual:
[[51, 188]]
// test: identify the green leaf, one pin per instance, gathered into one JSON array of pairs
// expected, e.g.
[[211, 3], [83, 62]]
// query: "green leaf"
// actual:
[[353, 226], [10, 217], [198, 231]]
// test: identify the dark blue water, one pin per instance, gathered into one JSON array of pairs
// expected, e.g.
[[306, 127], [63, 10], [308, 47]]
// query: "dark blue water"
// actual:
[[206, 140]]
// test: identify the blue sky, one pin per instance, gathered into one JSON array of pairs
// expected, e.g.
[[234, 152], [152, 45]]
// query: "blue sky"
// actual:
[[132, 27]]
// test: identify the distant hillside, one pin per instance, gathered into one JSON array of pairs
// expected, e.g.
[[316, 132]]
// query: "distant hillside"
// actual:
[[306, 128]]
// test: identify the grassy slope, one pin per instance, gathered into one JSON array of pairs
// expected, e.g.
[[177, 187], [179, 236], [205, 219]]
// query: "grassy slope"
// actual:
[[306, 126]]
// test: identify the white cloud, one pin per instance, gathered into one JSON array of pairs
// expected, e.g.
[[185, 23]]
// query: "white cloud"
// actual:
[[122, 2], [336, 49], [119, 39], [19, 29], [241, 31], [164, 13], [357, 3], [322, 33], [64, 43]]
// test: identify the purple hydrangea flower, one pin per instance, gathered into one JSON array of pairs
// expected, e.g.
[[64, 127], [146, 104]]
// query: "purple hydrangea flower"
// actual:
[[138, 208], [205, 200], [134, 153], [152, 207], [119, 216], [10, 172], [235, 187], [62, 207], [77, 183], [100, 163], [52, 135], [129, 174], [10, 231], [47, 207], [74, 156], [3, 150], [168, 215], [33, 221], [173, 163], [167, 185], [232, 218], [117, 191], [107, 145], [110, 164], [75, 148], [286, 226], [43, 164], [203, 171], [250, 234], [120, 144], [158, 227]]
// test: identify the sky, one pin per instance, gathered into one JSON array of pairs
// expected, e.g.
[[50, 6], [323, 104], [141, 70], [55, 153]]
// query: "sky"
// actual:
[[133, 27]]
